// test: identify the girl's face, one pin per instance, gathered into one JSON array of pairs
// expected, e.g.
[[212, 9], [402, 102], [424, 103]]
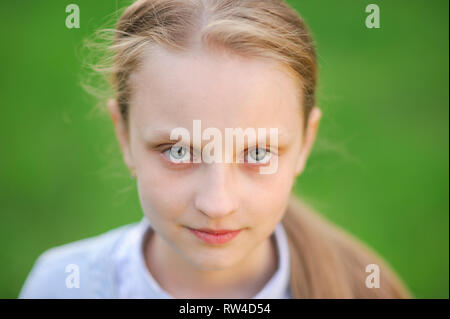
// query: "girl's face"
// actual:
[[170, 90]]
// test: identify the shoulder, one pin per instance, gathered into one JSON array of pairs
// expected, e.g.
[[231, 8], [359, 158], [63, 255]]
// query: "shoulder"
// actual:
[[73, 270]]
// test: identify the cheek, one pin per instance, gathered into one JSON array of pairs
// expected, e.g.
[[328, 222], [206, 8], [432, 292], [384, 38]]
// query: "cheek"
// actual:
[[274, 187], [268, 195], [162, 195]]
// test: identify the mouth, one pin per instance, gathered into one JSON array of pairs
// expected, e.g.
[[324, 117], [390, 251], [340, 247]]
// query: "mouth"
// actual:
[[211, 236]]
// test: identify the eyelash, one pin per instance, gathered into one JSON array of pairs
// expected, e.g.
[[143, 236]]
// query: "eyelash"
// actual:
[[268, 150], [178, 164]]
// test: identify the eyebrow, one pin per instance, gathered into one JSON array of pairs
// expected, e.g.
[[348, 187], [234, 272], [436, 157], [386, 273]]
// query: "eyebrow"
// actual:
[[158, 136]]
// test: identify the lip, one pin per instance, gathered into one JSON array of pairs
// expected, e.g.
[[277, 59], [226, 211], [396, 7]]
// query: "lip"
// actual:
[[215, 236]]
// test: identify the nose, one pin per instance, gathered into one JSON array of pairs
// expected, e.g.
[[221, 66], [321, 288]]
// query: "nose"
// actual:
[[215, 196]]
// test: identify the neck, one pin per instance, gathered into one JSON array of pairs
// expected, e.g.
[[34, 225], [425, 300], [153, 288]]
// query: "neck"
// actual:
[[183, 280]]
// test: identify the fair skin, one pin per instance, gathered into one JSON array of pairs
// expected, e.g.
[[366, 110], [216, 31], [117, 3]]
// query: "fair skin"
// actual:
[[225, 91]]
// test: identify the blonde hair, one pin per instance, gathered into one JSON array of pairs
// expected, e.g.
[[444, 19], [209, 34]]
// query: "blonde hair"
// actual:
[[326, 262]]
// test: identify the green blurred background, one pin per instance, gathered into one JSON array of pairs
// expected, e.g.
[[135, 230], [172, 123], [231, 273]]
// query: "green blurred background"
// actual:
[[379, 167]]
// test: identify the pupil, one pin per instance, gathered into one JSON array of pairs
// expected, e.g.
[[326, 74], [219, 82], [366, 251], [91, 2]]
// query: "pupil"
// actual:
[[258, 154], [177, 151]]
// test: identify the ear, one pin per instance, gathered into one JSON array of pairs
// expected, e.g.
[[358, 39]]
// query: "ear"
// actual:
[[308, 140], [122, 133]]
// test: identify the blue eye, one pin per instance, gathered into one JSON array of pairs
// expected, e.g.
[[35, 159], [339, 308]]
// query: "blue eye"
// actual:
[[178, 154], [259, 156]]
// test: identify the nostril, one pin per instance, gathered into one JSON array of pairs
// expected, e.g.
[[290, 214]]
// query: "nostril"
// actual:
[[216, 206]]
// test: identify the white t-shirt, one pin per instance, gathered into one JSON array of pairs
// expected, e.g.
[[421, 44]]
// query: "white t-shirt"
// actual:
[[134, 280]]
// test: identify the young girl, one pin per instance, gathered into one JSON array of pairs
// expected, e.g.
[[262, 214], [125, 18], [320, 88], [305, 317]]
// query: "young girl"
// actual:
[[214, 229]]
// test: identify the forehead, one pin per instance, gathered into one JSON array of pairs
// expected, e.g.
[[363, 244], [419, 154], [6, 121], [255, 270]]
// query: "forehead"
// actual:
[[222, 89]]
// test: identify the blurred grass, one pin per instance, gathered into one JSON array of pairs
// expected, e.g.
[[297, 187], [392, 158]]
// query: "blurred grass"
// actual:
[[379, 167]]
